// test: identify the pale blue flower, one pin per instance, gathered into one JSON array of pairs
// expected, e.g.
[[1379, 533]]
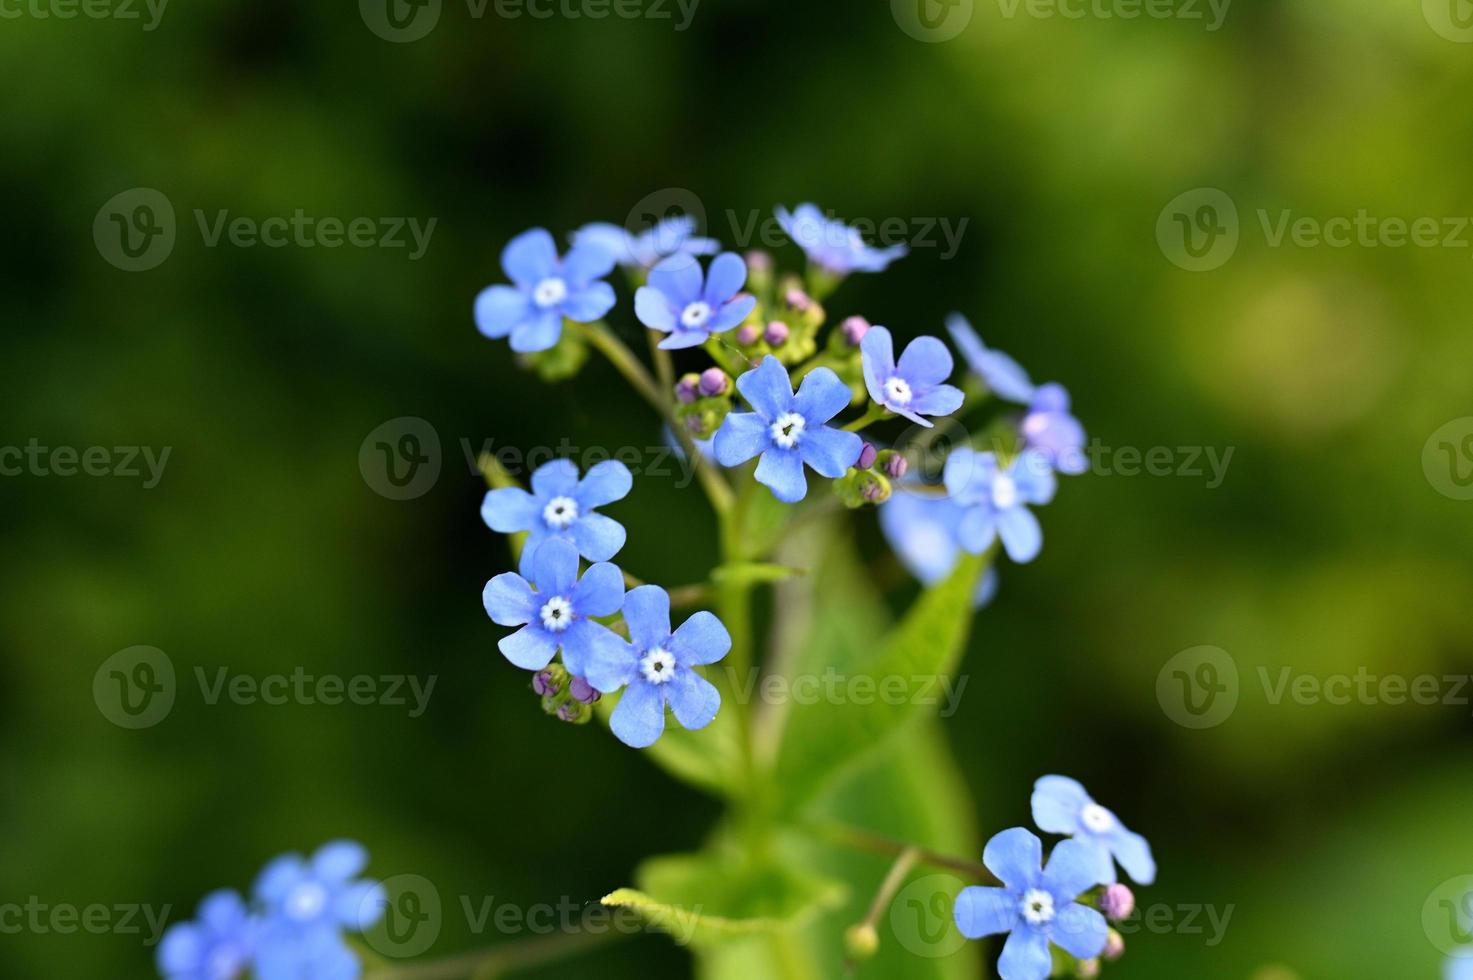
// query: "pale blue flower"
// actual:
[[670, 236], [563, 506], [545, 289], [1061, 806], [1003, 376], [690, 305], [832, 245], [220, 944], [916, 385], [921, 529], [995, 500]]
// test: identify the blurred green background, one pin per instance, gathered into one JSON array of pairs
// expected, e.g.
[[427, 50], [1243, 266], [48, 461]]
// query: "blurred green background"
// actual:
[[1326, 548]]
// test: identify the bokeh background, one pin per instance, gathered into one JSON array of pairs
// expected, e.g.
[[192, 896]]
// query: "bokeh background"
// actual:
[[1327, 547]]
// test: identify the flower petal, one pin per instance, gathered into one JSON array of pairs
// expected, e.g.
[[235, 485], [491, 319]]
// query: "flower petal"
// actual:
[[1025, 956], [731, 314], [1134, 855], [1057, 803], [597, 537], [694, 699], [589, 303], [940, 400], [499, 308], [639, 718], [608, 236], [279, 877], [182, 952], [600, 592], [742, 435], [339, 860], [1034, 477], [1001, 373], [925, 362], [360, 906], [538, 333], [604, 483], [921, 530], [608, 667], [682, 339], [830, 451], [983, 912], [821, 396], [968, 475], [679, 278], [1021, 535], [1081, 931], [767, 388], [781, 470], [558, 478], [1073, 869], [509, 509], [555, 567], [877, 356], [702, 639], [587, 261], [530, 257], [530, 648], [1015, 856], [586, 644], [653, 309], [977, 529], [725, 278], [1052, 398], [647, 613]]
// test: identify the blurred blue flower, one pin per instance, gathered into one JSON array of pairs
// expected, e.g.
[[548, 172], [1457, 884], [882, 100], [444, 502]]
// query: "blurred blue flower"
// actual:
[[1061, 806], [1003, 376], [1050, 430], [658, 668], [832, 245], [219, 944], [562, 506], [788, 430], [324, 891], [921, 530], [1459, 966], [995, 500], [690, 306], [559, 611], [314, 955], [670, 236], [545, 290], [1035, 907], [914, 387]]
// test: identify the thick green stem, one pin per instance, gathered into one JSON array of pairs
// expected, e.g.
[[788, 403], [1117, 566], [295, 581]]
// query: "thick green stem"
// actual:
[[873, 414]]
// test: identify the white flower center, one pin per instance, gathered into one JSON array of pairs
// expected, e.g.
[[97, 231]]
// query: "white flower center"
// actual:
[[694, 316], [557, 614], [306, 902], [1004, 492], [897, 391], [550, 292], [1096, 818], [786, 430], [560, 512], [658, 666], [1038, 907]]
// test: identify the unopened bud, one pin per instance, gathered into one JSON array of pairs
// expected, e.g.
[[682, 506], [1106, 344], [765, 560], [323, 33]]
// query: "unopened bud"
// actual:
[[875, 492], [574, 712], [759, 261], [1087, 969], [777, 333], [1117, 902], [583, 691], [896, 466], [854, 329], [748, 335], [688, 388], [549, 681], [867, 456], [714, 382], [798, 299], [1114, 946], [861, 942]]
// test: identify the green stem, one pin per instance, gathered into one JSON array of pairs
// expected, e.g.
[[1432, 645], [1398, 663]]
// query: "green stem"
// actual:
[[903, 865], [499, 961], [734, 599], [873, 414], [864, 840], [664, 366]]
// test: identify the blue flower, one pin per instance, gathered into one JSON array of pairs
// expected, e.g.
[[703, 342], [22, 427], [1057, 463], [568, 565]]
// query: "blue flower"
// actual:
[[1051, 431], [315, 955], [659, 668], [788, 430], [559, 612], [1002, 375], [915, 386], [832, 245], [689, 306], [1061, 806], [995, 499], [1459, 966], [323, 893], [921, 530], [1035, 907], [219, 945], [546, 289], [562, 506], [671, 236]]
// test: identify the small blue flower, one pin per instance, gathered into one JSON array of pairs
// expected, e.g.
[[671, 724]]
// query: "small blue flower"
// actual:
[[323, 893], [995, 499], [318, 954], [1035, 907], [219, 945], [1061, 806], [559, 612], [1459, 966], [921, 530], [659, 668], [671, 236], [562, 506], [1051, 431], [546, 289], [788, 430], [914, 387], [832, 245], [690, 306], [1003, 376]]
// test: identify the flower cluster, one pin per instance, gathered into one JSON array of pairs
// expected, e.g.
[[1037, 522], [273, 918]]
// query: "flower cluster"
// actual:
[[293, 930], [1066, 902]]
